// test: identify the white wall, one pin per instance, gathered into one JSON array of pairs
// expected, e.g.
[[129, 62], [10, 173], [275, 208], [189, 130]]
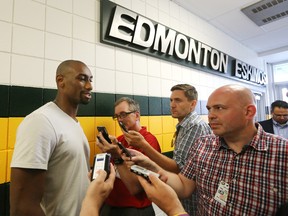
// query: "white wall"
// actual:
[[36, 35]]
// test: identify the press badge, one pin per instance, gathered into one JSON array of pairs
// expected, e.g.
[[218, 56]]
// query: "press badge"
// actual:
[[222, 193]]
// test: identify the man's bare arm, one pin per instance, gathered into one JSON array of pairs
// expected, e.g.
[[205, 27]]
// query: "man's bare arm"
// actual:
[[26, 191]]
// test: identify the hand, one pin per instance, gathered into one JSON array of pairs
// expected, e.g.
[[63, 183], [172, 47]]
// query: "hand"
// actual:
[[127, 160], [135, 139], [99, 189], [112, 148], [144, 161], [156, 190], [97, 192]]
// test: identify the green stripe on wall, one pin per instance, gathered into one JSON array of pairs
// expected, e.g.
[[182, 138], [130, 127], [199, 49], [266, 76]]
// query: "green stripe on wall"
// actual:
[[23, 100], [4, 101], [17, 101]]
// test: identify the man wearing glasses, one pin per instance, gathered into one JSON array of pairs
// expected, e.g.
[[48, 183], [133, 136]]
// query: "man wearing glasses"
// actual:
[[278, 124], [127, 197]]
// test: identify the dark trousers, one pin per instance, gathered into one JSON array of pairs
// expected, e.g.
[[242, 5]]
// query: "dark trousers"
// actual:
[[126, 211]]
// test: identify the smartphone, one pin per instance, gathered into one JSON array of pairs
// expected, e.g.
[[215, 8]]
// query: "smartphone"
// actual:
[[101, 161], [142, 171], [124, 149], [123, 127], [104, 132], [98, 137]]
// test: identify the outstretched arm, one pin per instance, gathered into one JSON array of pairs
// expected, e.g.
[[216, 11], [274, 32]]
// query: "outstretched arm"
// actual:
[[183, 186], [156, 190]]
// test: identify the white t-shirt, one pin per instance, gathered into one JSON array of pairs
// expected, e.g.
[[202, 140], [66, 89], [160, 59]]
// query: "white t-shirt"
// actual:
[[51, 140]]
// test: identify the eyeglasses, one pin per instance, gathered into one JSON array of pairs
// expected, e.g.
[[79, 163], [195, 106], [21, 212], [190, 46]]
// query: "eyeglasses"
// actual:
[[122, 115], [279, 116]]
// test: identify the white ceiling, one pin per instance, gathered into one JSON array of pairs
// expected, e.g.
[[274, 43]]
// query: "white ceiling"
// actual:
[[270, 41]]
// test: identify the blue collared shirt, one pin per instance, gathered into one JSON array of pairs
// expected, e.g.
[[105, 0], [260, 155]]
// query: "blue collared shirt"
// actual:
[[281, 130]]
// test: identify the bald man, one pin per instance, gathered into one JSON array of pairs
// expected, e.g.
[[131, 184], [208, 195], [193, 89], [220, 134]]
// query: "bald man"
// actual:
[[240, 170], [51, 156]]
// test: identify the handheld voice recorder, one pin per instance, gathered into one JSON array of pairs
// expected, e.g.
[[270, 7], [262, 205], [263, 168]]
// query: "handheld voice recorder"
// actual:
[[101, 161], [142, 171]]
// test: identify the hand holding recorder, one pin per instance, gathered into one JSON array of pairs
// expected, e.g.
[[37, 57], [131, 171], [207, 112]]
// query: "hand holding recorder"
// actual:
[[141, 171], [97, 192], [101, 162]]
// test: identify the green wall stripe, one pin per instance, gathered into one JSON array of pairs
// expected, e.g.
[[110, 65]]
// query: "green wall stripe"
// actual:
[[144, 104], [17, 101], [104, 104], [155, 106], [24, 100], [4, 101], [166, 106]]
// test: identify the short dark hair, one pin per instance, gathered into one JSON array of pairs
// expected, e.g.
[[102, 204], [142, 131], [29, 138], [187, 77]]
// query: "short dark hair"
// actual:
[[66, 66], [279, 103], [133, 105], [189, 91]]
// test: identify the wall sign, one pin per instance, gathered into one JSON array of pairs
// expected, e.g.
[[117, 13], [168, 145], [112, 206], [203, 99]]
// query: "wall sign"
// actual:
[[124, 28]]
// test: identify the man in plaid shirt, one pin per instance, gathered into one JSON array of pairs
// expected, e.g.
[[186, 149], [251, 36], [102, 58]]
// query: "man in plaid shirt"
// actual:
[[240, 170]]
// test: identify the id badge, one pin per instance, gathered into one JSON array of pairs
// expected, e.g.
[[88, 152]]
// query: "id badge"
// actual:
[[222, 193]]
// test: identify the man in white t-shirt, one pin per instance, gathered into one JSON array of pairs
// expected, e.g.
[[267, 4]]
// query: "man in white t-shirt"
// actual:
[[51, 156]]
